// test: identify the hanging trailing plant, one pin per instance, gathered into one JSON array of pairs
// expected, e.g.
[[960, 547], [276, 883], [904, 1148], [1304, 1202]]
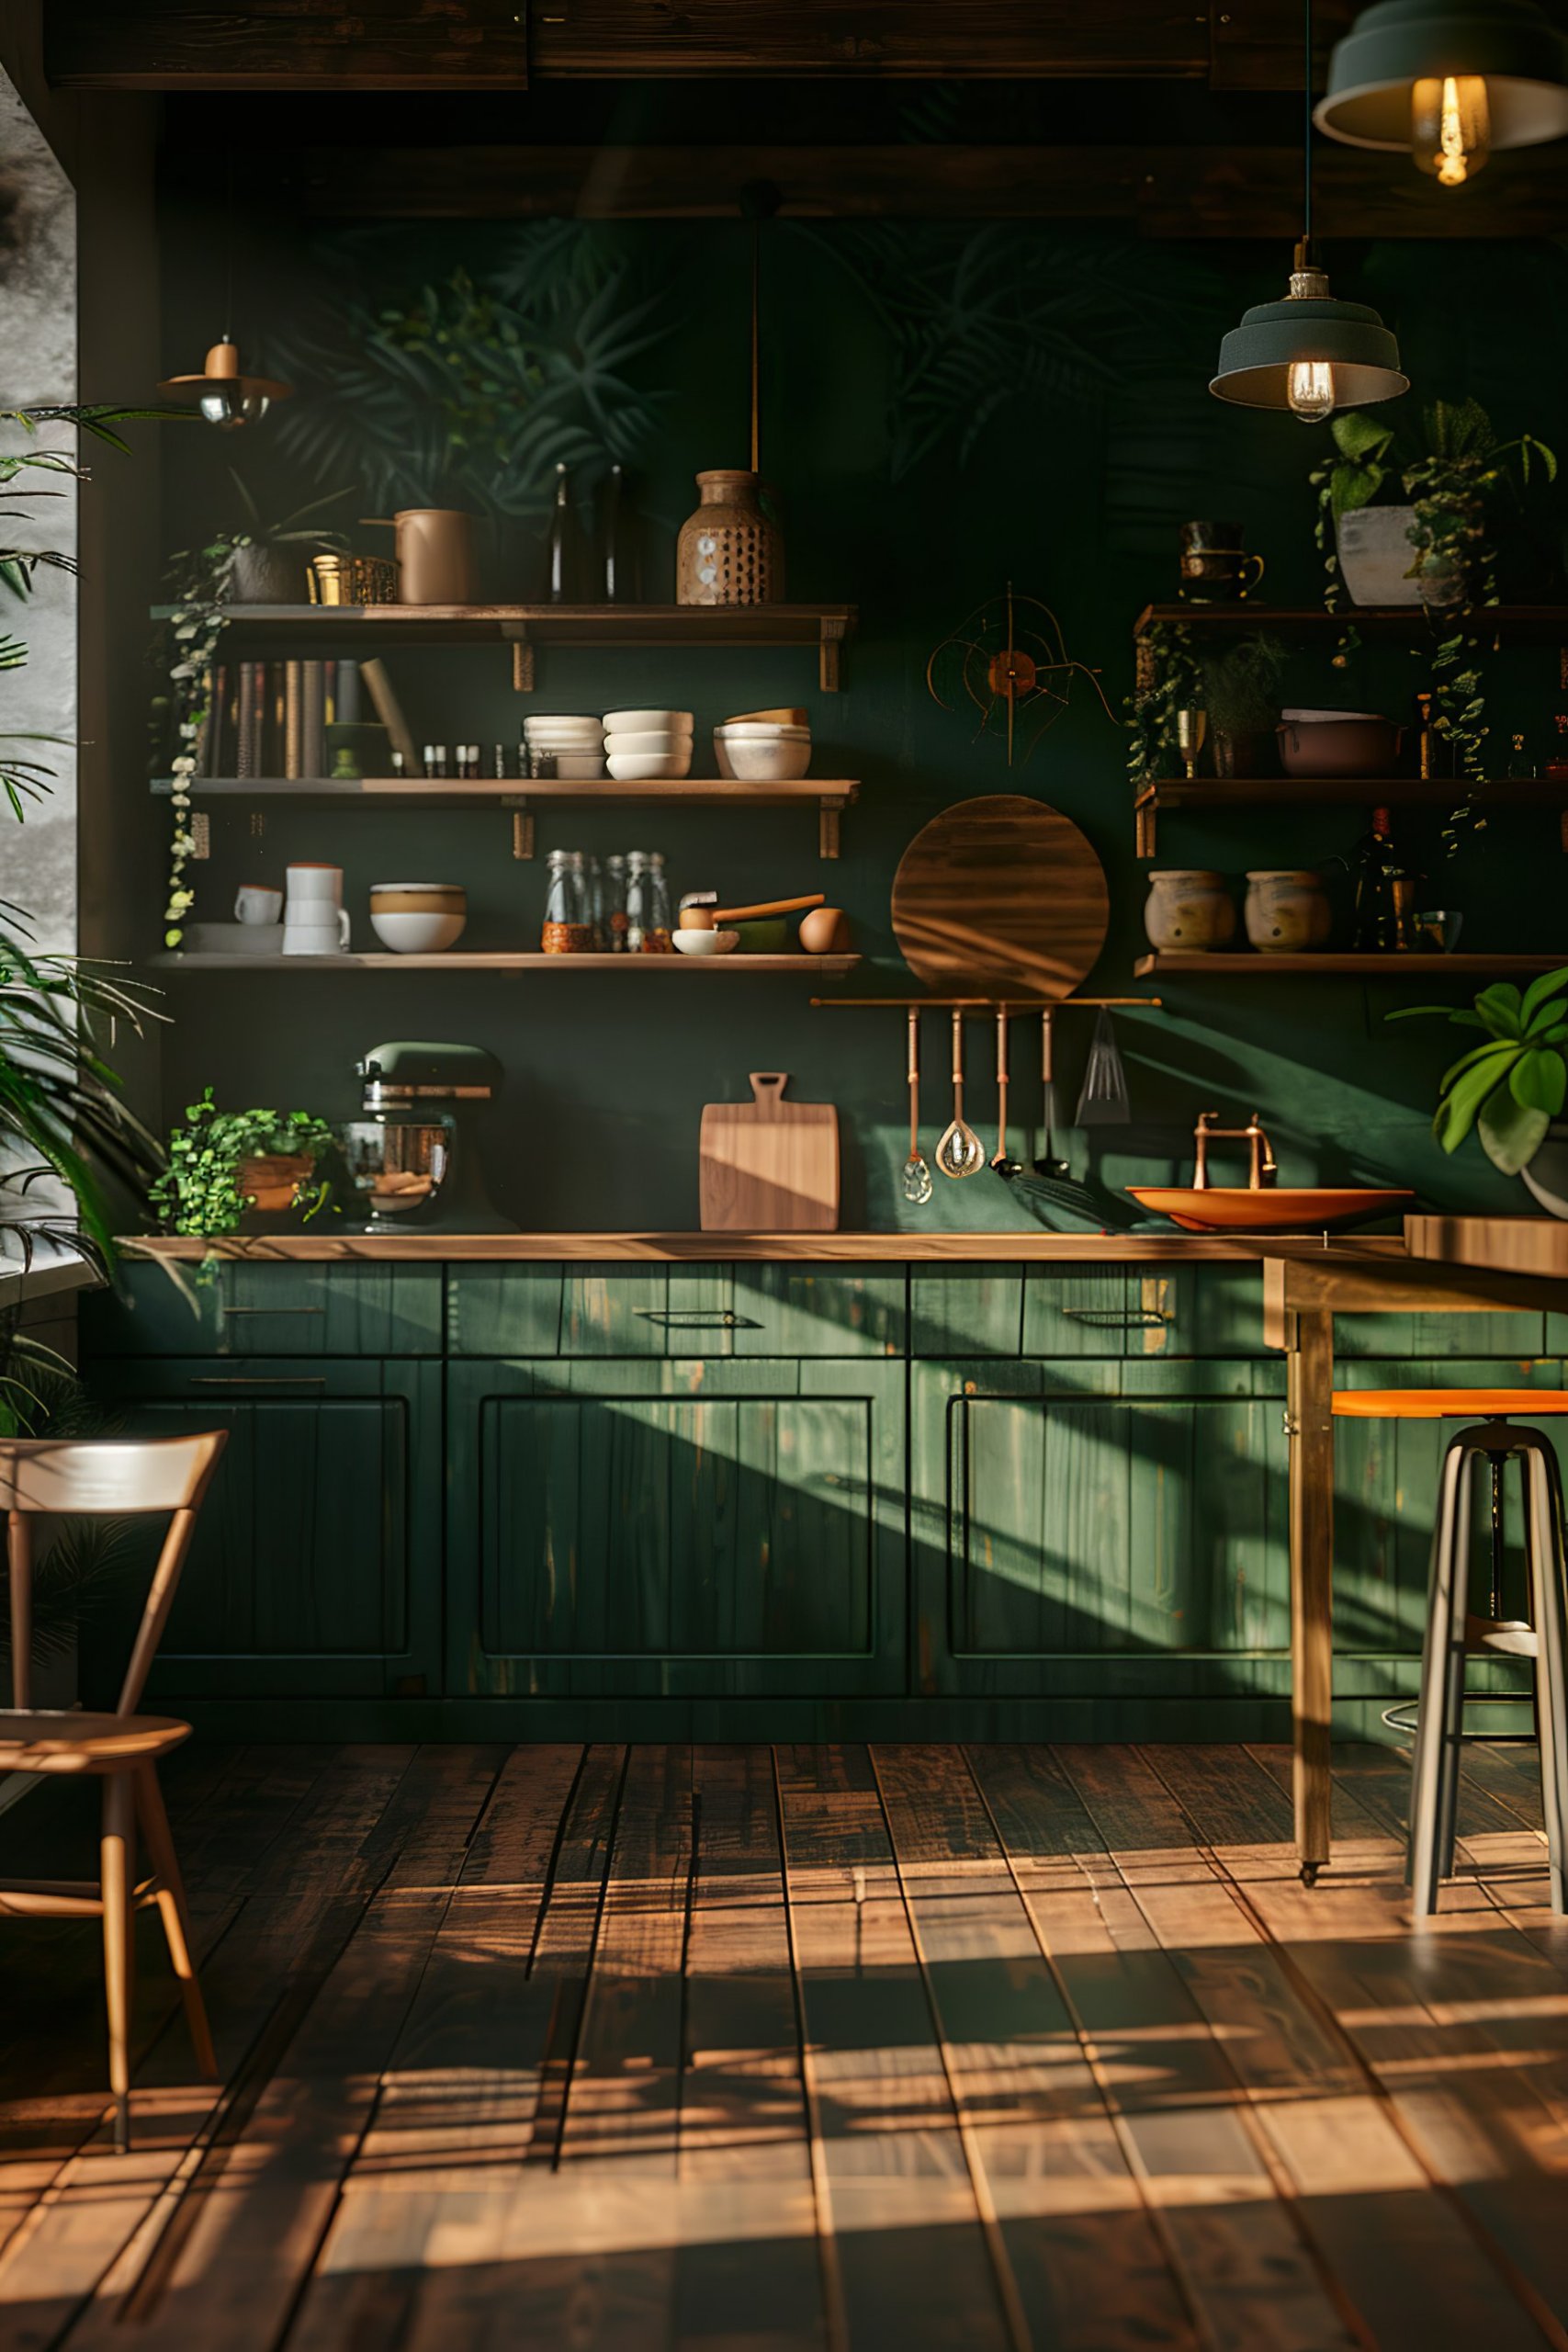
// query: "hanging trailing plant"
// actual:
[[1170, 678]]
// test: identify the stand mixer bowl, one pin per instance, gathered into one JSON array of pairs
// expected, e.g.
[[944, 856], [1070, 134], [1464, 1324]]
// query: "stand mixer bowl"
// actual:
[[397, 1167]]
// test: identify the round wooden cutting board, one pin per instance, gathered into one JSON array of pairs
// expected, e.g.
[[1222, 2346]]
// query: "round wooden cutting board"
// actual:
[[1001, 897]]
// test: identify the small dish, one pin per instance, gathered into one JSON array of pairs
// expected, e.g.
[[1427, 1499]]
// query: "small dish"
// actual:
[[642, 722], [647, 767], [585, 766], [704, 943], [775, 762]]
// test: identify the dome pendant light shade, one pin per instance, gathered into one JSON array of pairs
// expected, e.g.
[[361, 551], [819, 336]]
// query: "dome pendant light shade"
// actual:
[[225, 397], [1309, 354], [1447, 80]]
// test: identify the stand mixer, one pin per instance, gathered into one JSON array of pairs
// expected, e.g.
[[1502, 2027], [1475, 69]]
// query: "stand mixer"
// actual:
[[411, 1156]]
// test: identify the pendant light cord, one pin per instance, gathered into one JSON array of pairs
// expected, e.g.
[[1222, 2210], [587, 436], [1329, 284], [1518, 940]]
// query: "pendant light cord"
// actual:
[[1306, 145]]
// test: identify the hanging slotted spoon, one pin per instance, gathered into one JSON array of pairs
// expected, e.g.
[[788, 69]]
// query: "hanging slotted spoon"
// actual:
[[960, 1152], [917, 1175]]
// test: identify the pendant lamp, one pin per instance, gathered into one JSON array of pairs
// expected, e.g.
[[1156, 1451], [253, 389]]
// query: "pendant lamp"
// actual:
[[1447, 81], [226, 398], [1308, 353]]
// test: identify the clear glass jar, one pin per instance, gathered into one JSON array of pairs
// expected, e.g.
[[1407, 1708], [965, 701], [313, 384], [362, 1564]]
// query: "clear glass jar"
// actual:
[[566, 928], [615, 904], [637, 894], [656, 929]]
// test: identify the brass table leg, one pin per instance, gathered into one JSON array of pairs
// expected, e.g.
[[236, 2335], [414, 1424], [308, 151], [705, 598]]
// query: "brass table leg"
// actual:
[[1310, 1417]]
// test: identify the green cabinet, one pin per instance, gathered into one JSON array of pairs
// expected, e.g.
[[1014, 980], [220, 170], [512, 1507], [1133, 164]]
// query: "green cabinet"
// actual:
[[256, 1307], [691, 1528], [620, 1309], [316, 1568]]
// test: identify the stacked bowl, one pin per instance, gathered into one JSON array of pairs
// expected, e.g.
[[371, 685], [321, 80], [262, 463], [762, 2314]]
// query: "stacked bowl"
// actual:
[[648, 746], [764, 747], [575, 744]]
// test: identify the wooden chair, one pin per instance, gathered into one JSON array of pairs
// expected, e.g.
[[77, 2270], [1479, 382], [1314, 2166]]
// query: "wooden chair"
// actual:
[[111, 1479]]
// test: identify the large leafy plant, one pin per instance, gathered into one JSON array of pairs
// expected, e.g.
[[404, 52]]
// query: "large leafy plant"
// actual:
[[1510, 1089], [63, 1119]]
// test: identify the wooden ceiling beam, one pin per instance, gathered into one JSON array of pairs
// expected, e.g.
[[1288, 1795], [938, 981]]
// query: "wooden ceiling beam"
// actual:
[[287, 44], [1250, 192]]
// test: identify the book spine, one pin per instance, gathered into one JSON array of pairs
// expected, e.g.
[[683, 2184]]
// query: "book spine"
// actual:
[[278, 718], [389, 711], [218, 741], [245, 753], [348, 707], [330, 710], [293, 718], [313, 744]]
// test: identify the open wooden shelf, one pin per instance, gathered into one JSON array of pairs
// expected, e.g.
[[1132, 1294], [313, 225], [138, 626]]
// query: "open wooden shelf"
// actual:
[[1175, 795], [831, 795], [1248, 965], [1521, 622], [689, 627], [639, 967]]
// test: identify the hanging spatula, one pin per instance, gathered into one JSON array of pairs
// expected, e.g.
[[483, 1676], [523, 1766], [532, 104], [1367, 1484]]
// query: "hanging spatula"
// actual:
[[1104, 1101]]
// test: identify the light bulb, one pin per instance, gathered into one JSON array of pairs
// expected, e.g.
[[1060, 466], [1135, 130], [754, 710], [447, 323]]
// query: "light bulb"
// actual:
[[1450, 126], [1309, 388]]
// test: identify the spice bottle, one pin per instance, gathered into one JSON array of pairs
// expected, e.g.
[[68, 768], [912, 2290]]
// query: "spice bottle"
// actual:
[[566, 929], [616, 905], [656, 935], [636, 900]]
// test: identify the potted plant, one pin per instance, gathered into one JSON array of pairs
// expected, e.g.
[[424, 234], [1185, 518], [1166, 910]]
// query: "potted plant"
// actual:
[[227, 1168], [1436, 548], [1241, 695], [1511, 1088], [265, 562]]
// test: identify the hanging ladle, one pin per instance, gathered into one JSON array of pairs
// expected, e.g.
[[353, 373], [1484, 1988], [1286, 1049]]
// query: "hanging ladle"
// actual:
[[1004, 1166], [960, 1152], [1047, 1164], [917, 1175]]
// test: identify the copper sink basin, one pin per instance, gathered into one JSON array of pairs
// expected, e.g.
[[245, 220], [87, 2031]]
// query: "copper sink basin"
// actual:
[[1233, 1208]]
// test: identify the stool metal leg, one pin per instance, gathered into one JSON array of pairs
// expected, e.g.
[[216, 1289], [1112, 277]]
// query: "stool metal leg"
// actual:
[[1435, 1774], [1549, 1610]]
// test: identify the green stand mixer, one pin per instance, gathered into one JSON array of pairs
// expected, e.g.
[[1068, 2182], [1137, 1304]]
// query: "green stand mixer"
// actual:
[[411, 1155]]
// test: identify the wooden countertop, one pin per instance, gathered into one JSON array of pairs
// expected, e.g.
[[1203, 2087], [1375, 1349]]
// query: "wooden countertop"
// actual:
[[1512, 1245], [709, 1248]]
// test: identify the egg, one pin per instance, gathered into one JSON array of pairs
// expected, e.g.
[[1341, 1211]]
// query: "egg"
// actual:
[[825, 932]]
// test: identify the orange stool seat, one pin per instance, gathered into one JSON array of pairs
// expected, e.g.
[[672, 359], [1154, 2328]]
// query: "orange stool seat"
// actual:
[[1447, 1404]]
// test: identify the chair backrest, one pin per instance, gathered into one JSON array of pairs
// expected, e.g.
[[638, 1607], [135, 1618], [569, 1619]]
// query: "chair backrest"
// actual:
[[102, 1478]]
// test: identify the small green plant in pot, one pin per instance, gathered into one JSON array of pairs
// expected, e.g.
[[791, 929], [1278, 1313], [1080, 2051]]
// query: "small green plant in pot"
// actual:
[[1241, 695], [1512, 1087], [223, 1165], [265, 564]]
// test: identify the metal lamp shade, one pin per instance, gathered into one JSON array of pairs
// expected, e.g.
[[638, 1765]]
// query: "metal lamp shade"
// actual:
[[1256, 357], [1523, 58]]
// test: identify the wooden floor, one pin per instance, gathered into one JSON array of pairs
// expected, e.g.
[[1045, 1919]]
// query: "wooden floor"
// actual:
[[794, 2051]]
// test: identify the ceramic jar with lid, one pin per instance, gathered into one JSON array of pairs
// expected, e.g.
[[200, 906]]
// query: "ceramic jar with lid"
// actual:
[[729, 551], [1189, 909], [1286, 912]]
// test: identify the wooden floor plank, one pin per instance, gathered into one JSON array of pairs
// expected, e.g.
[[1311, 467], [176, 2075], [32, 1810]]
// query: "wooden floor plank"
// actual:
[[912, 2263], [1236, 2243], [1074, 2232]]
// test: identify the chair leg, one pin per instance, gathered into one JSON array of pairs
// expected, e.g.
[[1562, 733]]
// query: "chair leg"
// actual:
[[174, 1913], [1435, 1770], [1550, 1609], [117, 1859]]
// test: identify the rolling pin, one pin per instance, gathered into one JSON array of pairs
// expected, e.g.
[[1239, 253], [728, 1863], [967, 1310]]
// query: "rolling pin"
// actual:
[[708, 917]]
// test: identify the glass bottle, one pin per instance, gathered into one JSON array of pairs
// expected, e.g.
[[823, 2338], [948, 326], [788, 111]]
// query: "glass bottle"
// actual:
[[556, 938], [581, 916], [615, 904], [636, 900], [1378, 872], [564, 578], [598, 933], [611, 582], [655, 936]]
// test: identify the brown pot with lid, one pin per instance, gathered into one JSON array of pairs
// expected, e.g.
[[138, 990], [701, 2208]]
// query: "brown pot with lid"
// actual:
[[729, 551]]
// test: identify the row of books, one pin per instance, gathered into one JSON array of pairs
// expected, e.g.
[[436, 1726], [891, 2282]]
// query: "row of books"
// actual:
[[270, 719]]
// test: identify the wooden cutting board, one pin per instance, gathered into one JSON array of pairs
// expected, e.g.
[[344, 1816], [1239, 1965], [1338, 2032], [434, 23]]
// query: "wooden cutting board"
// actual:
[[1002, 897], [769, 1165]]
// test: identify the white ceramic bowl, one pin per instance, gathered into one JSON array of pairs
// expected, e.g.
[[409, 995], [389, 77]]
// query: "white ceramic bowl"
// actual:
[[752, 763], [648, 739], [704, 943], [544, 723], [648, 767], [421, 934], [754, 731], [587, 767], [642, 722]]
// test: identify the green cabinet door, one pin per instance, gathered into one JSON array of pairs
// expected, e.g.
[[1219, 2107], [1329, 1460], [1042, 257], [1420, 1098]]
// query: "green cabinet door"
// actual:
[[1106, 1531], [692, 1529], [316, 1568]]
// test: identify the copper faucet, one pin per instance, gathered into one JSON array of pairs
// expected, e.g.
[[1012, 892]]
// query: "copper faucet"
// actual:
[[1264, 1169]]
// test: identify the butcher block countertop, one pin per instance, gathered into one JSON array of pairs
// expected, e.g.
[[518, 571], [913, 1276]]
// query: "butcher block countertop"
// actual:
[[1511, 1245], [710, 1249]]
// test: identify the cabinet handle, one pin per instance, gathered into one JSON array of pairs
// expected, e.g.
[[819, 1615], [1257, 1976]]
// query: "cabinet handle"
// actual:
[[275, 1310], [1137, 1318], [258, 1380], [693, 1318]]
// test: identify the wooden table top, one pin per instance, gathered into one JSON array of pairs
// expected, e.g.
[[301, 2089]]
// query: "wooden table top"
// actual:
[[1513, 1245], [707, 1249]]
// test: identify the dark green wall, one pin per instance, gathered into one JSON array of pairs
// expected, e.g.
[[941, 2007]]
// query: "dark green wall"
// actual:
[[946, 407]]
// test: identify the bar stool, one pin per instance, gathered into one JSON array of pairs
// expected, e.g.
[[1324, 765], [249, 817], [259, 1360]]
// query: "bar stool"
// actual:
[[111, 1478], [1452, 1631]]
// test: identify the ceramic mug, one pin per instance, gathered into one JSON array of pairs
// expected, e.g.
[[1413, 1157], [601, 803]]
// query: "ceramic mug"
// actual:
[[316, 931], [317, 883], [255, 904]]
